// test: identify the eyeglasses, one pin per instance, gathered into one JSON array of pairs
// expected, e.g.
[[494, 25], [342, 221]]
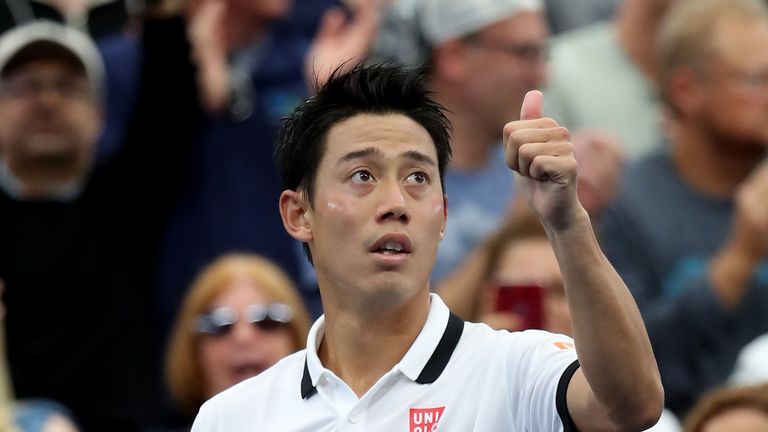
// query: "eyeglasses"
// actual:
[[221, 321], [757, 80], [530, 52], [29, 86]]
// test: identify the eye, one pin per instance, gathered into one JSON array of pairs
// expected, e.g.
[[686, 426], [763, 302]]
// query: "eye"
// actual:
[[361, 177], [418, 177]]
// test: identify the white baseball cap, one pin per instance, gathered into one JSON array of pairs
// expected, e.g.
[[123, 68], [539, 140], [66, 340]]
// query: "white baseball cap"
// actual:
[[442, 20], [70, 40]]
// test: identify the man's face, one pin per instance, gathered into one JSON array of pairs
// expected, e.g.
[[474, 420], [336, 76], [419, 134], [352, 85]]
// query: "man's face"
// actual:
[[378, 210], [734, 108], [506, 59], [49, 122]]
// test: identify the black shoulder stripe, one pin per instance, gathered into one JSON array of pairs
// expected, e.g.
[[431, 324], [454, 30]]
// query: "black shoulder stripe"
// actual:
[[443, 351], [560, 398]]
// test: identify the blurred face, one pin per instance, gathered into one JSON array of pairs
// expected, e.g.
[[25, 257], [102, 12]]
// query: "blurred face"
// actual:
[[378, 211], [244, 349], [49, 122], [533, 261], [734, 96], [738, 419], [516, 50]]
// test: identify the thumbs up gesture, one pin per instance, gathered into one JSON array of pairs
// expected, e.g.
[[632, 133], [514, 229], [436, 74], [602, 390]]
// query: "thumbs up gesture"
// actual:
[[541, 152]]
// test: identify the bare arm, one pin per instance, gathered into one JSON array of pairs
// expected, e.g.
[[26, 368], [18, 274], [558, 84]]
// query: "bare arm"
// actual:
[[733, 266], [618, 385]]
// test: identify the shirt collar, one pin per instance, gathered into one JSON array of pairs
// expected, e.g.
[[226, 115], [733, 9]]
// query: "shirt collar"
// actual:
[[423, 363], [14, 188]]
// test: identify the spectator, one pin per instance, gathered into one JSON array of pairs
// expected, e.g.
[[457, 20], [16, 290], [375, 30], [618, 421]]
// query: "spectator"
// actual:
[[465, 38], [687, 232], [603, 77], [77, 241], [241, 315], [520, 253], [730, 410]]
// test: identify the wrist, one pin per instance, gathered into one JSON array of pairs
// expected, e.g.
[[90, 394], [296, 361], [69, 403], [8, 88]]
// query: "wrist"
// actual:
[[730, 272]]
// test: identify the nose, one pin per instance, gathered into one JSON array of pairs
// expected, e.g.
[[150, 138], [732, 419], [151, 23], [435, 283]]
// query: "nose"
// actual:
[[392, 205], [245, 333], [49, 96]]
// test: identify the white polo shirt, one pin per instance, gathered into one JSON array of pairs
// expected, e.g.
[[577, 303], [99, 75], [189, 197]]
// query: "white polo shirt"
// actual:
[[456, 377]]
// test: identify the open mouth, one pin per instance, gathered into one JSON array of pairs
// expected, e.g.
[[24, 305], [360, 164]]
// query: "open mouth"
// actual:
[[246, 370], [392, 245], [391, 248]]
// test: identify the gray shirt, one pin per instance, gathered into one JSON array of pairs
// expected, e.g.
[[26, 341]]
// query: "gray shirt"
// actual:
[[660, 235]]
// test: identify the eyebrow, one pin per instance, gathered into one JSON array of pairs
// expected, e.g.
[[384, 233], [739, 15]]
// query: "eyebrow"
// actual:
[[375, 152]]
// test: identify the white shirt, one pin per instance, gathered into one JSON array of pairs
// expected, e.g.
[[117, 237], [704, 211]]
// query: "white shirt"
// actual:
[[459, 376]]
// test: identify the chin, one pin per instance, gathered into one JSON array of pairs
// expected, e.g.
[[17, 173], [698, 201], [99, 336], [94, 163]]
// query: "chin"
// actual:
[[388, 293]]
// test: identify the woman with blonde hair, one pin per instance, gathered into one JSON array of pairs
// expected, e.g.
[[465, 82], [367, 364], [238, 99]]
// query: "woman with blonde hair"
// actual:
[[241, 315]]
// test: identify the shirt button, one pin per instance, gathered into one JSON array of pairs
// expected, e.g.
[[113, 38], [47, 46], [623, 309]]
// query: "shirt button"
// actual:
[[353, 419]]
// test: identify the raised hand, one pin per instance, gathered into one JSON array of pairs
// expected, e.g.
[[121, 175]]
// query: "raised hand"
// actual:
[[342, 41], [540, 151], [207, 24]]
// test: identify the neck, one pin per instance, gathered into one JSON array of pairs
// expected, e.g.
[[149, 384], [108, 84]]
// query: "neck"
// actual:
[[709, 167], [360, 347], [637, 27], [471, 148], [38, 189]]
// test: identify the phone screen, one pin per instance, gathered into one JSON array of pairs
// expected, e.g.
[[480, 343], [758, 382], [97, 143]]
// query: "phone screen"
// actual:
[[526, 301]]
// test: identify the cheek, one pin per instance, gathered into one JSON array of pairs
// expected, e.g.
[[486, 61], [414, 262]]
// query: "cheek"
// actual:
[[280, 345], [339, 212], [213, 355]]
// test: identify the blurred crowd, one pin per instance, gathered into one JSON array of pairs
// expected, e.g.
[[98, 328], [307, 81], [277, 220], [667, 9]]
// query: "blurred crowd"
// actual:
[[143, 262]]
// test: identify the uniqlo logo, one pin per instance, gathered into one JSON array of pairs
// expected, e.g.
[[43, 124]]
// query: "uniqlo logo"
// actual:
[[425, 419]]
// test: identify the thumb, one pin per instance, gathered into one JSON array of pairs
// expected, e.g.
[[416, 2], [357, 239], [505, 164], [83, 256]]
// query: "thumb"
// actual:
[[532, 105]]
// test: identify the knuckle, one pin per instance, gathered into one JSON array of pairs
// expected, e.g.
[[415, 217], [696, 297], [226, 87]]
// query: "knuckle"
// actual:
[[562, 133], [549, 122], [527, 151], [509, 128]]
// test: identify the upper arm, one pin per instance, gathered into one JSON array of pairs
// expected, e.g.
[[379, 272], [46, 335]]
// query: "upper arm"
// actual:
[[584, 409]]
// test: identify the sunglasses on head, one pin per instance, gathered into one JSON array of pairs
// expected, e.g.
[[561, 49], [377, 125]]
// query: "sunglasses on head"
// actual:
[[220, 321]]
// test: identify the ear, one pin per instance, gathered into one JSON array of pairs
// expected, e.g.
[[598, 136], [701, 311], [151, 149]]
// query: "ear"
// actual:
[[445, 216], [296, 214], [685, 90], [450, 61]]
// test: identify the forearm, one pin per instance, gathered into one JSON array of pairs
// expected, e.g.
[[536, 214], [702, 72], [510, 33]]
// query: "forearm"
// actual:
[[613, 346], [730, 271]]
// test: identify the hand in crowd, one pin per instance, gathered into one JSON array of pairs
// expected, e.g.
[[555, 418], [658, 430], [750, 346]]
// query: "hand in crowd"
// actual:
[[748, 242], [209, 50], [342, 40], [601, 163], [540, 150], [750, 229]]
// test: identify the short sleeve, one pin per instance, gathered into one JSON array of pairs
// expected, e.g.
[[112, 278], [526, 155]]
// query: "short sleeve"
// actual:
[[205, 420], [541, 366]]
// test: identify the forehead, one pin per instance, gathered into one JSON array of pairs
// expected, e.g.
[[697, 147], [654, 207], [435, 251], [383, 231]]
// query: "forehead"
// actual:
[[391, 134], [53, 67], [741, 40], [240, 290], [527, 26]]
